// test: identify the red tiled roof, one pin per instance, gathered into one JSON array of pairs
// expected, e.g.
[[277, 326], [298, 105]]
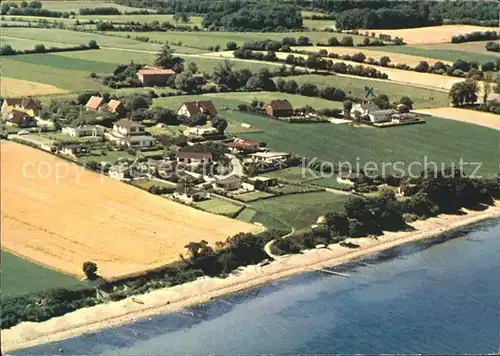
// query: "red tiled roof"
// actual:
[[280, 105], [201, 107], [94, 102], [113, 105], [155, 71], [188, 154]]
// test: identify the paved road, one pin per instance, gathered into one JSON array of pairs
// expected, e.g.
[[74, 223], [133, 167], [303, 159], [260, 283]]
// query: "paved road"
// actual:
[[267, 247]]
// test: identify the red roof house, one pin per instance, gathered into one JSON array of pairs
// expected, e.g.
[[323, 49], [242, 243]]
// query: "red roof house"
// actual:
[[279, 108], [94, 103], [154, 76]]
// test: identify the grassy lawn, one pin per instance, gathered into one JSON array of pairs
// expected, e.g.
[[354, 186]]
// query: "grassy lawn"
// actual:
[[329, 182], [294, 174], [148, 183], [22, 44], [436, 52], [20, 276], [478, 47], [218, 206], [233, 99], [110, 156], [422, 97], [58, 136], [252, 216], [207, 39], [318, 24], [193, 21], [300, 210], [253, 196], [234, 128]]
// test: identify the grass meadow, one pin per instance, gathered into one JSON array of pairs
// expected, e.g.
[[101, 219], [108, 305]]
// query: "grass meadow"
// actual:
[[20, 276], [300, 211], [422, 97], [68, 6], [218, 206], [439, 51]]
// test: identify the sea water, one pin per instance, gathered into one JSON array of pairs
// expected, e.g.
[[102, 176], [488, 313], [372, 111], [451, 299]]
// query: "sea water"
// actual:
[[439, 299]]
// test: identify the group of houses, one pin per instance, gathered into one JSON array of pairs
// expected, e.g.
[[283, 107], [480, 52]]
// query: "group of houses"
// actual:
[[20, 112]]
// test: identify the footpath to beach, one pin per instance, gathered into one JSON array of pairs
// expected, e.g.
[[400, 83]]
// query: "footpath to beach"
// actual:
[[28, 334]]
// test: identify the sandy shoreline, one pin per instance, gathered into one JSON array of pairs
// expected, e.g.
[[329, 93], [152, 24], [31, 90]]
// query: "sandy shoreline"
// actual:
[[28, 334]]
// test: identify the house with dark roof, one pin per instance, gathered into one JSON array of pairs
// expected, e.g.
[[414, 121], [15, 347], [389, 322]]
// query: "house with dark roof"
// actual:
[[194, 108], [26, 104], [194, 158], [94, 103], [228, 183], [19, 118], [150, 76], [279, 108]]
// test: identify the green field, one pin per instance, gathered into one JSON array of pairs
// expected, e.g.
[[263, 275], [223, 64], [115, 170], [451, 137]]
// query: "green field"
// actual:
[[252, 216], [329, 182], [318, 24], [294, 174], [233, 99], [477, 47], [300, 210], [422, 97], [194, 20], [437, 53], [22, 44], [218, 206], [19, 276], [253, 196], [206, 39], [148, 183], [76, 5]]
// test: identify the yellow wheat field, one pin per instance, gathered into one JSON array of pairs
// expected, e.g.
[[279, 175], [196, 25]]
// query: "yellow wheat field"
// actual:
[[433, 34], [396, 58], [11, 87], [471, 116], [88, 217]]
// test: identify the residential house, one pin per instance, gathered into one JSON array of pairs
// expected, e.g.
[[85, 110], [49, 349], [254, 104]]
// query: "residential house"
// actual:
[[19, 118], [201, 131], [131, 134], [116, 107], [279, 108], [73, 150], [191, 195], [242, 146], [194, 108], [150, 76], [26, 104], [402, 118], [94, 103], [372, 112], [348, 178], [228, 183], [261, 183], [270, 157], [194, 158], [84, 130]]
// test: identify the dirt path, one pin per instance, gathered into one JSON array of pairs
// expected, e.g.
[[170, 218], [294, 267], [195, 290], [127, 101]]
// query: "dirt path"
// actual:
[[465, 115]]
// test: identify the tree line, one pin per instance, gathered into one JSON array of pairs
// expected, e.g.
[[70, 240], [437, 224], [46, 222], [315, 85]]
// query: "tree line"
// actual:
[[100, 11], [475, 36], [493, 46], [7, 49], [33, 8]]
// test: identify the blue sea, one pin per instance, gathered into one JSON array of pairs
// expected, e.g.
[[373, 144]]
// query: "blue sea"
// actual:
[[420, 298]]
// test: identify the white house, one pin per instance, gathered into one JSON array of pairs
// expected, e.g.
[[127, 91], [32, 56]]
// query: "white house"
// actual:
[[194, 108], [270, 157], [200, 131], [127, 127], [372, 112], [191, 195], [139, 141], [228, 183], [84, 130], [194, 158], [73, 151]]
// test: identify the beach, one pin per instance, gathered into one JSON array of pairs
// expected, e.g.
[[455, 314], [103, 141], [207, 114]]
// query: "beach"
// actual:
[[168, 299]]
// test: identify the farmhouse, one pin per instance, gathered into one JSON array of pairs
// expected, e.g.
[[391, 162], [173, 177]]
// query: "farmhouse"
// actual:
[[94, 103], [25, 104], [243, 146], [372, 112], [270, 157], [116, 107], [194, 158], [279, 108], [191, 195], [228, 184], [201, 131], [150, 76], [194, 108], [19, 118], [84, 130]]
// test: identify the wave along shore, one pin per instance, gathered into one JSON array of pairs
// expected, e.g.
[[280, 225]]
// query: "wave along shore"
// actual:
[[28, 334]]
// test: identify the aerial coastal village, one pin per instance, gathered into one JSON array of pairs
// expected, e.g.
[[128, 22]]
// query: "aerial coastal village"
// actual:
[[159, 155]]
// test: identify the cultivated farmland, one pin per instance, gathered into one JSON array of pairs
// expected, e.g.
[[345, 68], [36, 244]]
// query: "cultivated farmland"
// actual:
[[20, 276], [11, 87], [85, 216], [474, 117], [355, 86], [76, 5], [433, 34]]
